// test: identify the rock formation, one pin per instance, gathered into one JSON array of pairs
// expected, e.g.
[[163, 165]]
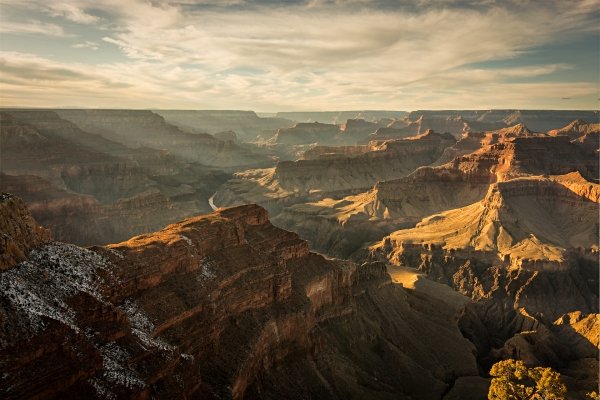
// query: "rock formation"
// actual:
[[332, 171], [138, 128], [91, 190], [20, 232], [576, 129], [308, 132], [528, 253], [486, 120], [246, 124], [584, 135], [338, 117], [472, 141], [341, 227], [222, 305], [525, 223]]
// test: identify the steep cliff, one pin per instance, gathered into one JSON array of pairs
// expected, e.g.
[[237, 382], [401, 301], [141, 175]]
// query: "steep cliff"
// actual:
[[485, 120], [246, 124], [341, 172], [20, 232], [91, 190], [338, 117], [342, 227], [219, 306], [528, 253], [139, 128], [308, 132]]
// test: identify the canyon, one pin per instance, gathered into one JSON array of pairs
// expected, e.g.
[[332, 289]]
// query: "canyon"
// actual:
[[335, 171], [344, 225], [351, 254], [91, 190], [246, 124], [221, 305]]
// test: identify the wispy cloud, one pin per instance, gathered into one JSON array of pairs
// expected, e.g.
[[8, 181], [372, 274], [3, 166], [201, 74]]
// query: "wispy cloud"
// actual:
[[71, 12], [325, 54], [86, 45], [31, 28]]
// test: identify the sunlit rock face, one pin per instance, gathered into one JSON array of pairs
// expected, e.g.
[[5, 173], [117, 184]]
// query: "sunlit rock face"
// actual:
[[341, 227], [220, 305], [332, 171], [527, 253], [583, 134]]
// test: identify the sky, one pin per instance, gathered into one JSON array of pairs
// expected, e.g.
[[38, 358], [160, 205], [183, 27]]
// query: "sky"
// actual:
[[287, 55]]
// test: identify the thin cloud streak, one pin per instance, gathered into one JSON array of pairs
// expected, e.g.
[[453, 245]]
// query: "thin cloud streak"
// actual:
[[314, 56], [31, 28]]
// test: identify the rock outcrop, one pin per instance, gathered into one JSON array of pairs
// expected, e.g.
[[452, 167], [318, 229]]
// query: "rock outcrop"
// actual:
[[246, 124], [308, 132], [342, 227], [332, 172], [223, 305], [91, 190], [528, 254], [20, 232], [138, 128], [487, 120], [576, 129], [338, 117]]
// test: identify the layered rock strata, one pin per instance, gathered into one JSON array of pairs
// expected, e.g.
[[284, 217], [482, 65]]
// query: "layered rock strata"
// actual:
[[332, 171], [223, 305], [138, 128], [91, 190], [341, 227], [528, 253]]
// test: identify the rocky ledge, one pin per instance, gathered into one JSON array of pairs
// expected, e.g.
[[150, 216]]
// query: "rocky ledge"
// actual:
[[223, 305], [19, 232]]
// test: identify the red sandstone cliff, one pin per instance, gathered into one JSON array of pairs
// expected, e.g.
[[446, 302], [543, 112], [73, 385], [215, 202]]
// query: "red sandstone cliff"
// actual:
[[218, 306]]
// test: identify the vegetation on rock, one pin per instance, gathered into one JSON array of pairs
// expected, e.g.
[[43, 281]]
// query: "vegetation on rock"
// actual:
[[512, 379]]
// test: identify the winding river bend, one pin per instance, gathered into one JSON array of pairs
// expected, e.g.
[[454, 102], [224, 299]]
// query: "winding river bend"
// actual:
[[211, 202]]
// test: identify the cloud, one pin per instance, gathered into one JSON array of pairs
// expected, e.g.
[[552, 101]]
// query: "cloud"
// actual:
[[87, 45], [31, 28], [71, 12], [321, 54]]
